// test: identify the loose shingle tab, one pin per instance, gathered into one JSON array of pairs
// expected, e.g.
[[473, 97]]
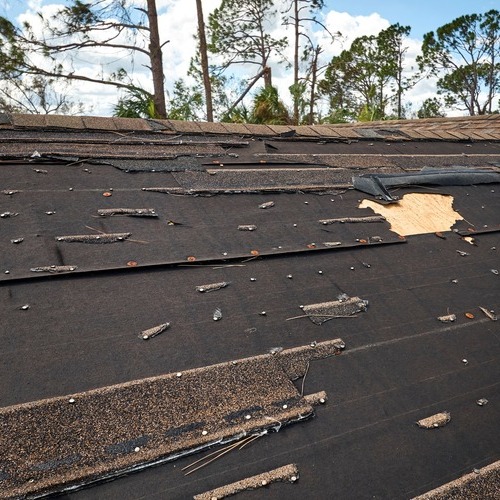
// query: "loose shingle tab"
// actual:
[[120, 428]]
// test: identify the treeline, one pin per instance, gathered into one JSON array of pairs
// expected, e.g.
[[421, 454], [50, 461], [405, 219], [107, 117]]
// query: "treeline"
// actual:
[[237, 51]]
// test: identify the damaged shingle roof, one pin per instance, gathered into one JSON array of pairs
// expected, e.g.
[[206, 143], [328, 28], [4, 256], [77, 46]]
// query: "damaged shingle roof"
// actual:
[[112, 360]]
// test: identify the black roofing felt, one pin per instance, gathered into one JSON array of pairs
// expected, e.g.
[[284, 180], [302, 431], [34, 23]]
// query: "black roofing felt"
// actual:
[[77, 331]]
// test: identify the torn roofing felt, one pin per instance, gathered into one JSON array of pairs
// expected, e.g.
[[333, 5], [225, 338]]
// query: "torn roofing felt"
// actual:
[[379, 184], [100, 434]]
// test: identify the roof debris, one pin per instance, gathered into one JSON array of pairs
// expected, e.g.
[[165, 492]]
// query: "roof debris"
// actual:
[[448, 318], [132, 212], [217, 314], [288, 473], [343, 220], [247, 227], [488, 313], [324, 311], [10, 192], [482, 402], [462, 253], [331, 244], [212, 287], [53, 269], [267, 204], [7, 215], [94, 238], [437, 420], [153, 332]]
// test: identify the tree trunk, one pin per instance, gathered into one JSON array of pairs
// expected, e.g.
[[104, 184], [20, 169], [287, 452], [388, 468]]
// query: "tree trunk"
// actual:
[[204, 62], [314, 76], [268, 80], [155, 55], [296, 62]]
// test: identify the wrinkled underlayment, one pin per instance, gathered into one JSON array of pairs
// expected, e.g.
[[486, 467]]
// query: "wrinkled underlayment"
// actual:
[[66, 442], [288, 473], [417, 213], [478, 485]]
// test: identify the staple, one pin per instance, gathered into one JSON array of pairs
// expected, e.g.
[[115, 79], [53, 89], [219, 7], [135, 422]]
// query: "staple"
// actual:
[[40, 171], [17, 240], [153, 332], [331, 244], [211, 287], [247, 227], [94, 238], [10, 192], [462, 254], [53, 269]]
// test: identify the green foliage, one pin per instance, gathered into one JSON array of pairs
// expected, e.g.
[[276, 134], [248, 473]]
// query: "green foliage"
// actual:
[[186, 102], [135, 103], [465, 55], [269, 108], [238, 31], [364, 79], [431, 108]]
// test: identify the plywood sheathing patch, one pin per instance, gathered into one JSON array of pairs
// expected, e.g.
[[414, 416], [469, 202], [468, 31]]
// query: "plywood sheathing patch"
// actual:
[[287, 473], [66, 442], [417, 213]]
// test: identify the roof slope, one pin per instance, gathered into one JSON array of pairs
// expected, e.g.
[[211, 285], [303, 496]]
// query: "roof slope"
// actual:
[[247, 240]]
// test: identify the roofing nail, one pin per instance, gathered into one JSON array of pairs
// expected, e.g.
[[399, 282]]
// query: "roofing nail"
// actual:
[[224, 253], [50, 212], [71, 189], [295, 225], [293, 479], [465, 362], [25, 307], [454, 281], [71, 400], [204, 433], [7, 272], [320, 272], [322, 401], [253, 279], [248, 417], [352, 268], [494, 271], [179, 374], [136, 449], [289, 276], [262, 313], [306, 203], [285, 407]]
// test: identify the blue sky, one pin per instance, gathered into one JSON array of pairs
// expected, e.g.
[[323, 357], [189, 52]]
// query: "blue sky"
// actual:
[[422, 15]]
